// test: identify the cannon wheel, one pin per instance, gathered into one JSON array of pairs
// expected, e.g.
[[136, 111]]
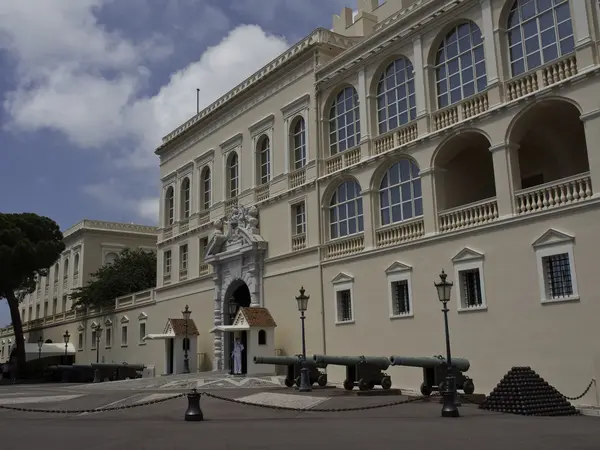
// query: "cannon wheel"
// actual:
[[364, 385], [348, 385], [442, 387], [288, 382], [425, 389], [386, 382], [322, 380], [297, 382], [468, 386]]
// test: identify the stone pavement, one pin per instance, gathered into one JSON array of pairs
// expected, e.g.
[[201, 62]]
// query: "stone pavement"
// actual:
[[229, 425]]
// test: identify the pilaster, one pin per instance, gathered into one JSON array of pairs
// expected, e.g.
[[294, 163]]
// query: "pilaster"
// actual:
[[368, 219], [363, 105], [507, 176], [583, 39], [491, 57], [429, 200], [591, 122], [419, 79]]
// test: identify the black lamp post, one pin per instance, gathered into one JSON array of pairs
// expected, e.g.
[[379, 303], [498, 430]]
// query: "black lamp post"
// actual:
[[232, 310], [449, 409], [40, 344], [66, 338], [98, 334], [305, 385], [186, 343]]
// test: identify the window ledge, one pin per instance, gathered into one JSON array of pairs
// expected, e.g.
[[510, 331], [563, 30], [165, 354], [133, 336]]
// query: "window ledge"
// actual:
[[473, 309], [107, 347], [550, 301], [402, 316], [142, 343], [123, 345], [345, 322]]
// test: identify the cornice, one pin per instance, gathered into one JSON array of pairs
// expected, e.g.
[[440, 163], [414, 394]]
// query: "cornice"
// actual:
[[231, 143], [295, 106], [262, 125], [98, 225], [205, 157], [317, 37], [186, 168]]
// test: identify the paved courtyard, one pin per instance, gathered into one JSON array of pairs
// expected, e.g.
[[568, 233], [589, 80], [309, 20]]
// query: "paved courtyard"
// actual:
[[230, 425]]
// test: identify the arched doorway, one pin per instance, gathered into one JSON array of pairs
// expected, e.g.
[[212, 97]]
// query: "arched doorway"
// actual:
[[237, 296]]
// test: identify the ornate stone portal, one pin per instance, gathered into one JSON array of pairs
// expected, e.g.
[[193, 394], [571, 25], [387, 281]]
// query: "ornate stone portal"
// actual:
[[237, 255]]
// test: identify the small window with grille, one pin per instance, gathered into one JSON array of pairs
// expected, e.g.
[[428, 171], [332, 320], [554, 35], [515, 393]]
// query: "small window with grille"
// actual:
[[557, 276], [400, 298], [344, 305], [470, 288]]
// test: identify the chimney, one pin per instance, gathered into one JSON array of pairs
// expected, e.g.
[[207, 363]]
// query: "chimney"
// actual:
[[342, 21]]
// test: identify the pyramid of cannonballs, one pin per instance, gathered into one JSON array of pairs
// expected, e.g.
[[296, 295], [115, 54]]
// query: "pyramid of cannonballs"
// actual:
[[522, 391]]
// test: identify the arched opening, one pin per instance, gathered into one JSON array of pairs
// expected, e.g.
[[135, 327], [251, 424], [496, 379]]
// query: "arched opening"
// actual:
[[263, 160], [298, 143], [205, 189], [237, 296], [169, 206], [346, 210], [76, 264], [400, 196], [344, 121], [464, 171], [66, 270], [232, 175], [395, 95], [186, 195], [110, 257], [48, 341], [550, 144]]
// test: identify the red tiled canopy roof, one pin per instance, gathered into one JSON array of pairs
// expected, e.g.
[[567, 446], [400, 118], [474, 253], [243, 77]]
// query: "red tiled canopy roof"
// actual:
[[179, 327], [258, 317]]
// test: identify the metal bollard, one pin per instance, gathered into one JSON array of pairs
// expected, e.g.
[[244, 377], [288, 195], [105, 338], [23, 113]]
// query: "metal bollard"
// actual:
[[194, 412]]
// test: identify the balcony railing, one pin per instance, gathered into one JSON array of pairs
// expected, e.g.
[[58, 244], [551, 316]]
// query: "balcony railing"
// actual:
[[184, 225], [183, 274], [168, 233], [562, 192], [298, 242], [541, 77], [399, 233], [460, 111], [297, 178], [204, 269], [203, 217], [262, 192], [345, 246], [342, 160], [467, 216], [395, 139], [167, 278]]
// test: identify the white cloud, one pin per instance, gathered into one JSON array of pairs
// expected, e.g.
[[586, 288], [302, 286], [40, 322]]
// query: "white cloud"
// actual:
[[79, 78]]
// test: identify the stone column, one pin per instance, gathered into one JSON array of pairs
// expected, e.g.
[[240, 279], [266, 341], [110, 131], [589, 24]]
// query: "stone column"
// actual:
[[217, 321], [368, 219], [491, 55], [581, 29], [420, 96], [365, 119], [429, 201], [507, 176], [591, 122]]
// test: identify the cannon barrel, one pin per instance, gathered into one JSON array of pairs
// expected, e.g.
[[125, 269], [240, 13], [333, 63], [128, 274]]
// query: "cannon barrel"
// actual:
[[381, 362], [428, 362], [277, 360]]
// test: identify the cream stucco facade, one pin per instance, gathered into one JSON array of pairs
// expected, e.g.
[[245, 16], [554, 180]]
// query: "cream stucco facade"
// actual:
[[421, 136]]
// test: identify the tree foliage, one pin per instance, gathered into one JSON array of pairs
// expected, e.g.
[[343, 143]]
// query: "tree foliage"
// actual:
[[132, 271], [29, 244]]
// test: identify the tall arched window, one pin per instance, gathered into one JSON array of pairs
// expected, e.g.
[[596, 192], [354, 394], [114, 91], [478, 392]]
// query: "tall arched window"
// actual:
[[56, 272], [400, 196], [298, 141], [345, 210], [76, 263], [169, 206], [460, 65], [344, 121], [109, 257], [264, 160], [66, 269], [538, 32], [233, 175], [185, 198], [396, 104], [205, 189]]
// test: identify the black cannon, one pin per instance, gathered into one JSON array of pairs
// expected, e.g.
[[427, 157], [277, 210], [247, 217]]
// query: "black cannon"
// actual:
[[294, 364], [112, 371], [366, 372], [435, 371]]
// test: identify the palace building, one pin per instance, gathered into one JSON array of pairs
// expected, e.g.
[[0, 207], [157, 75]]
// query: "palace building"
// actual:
[[414, 136]]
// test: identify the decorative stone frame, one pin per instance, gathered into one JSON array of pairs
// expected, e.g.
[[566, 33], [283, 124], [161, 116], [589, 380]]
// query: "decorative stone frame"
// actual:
[[299, 107], [468, 259], [170, 181], [108, 248], [233, 144], [124, 325], [207, 160], [398, 271], [142, 319], [554, 242], [343, 282], [258, 130], [94, 336]]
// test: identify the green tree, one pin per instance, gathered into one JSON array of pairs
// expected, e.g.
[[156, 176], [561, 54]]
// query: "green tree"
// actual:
[[29, 244], [132, 271]]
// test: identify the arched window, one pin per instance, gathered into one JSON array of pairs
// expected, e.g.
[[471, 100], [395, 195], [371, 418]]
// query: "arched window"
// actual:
[[262, 337], [344, 121], [400, 195], [56, 272], [298, 141], [66, 269], [109, 257], [233, 175], [76, 263], [185, 198], [169, 206], [264, 160], [538, 32], [396, 104], [346, 210], [460, 65], [205, 188]]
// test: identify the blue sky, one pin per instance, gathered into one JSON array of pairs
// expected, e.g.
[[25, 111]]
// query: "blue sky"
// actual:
[[88, 88]]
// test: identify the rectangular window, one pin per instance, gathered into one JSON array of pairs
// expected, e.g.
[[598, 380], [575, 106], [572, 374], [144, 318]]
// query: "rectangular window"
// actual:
[[557, 276], [108, 337], [470, 288], [64, 303], [400, 298], [54, 306], [45, 309], [37, 312], [94, 339], [124, 336], [299, 217], [344, 305], [80, 341], [183, 257], [167, 262], [203, 247], [30, 316], [142, 332]]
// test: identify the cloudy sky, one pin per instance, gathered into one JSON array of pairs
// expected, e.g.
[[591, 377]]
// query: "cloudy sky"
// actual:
[[88, 88]]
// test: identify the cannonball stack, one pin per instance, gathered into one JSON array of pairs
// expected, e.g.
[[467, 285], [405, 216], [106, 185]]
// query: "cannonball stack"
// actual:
[[522, 391]]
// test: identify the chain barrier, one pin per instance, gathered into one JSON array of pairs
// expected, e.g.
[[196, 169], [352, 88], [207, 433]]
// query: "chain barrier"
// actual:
[[587, 389], [97, 410], [290, 408]]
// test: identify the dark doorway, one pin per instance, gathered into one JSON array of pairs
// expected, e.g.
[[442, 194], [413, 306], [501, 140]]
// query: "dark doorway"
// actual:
[[240, 297], [170, 356]]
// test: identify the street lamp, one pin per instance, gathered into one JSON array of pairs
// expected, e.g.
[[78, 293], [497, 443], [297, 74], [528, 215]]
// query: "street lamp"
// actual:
[[305, 385], [66, 338], [40, 344], [98, 334], [232, 308], [449, 409], [186, 362]]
